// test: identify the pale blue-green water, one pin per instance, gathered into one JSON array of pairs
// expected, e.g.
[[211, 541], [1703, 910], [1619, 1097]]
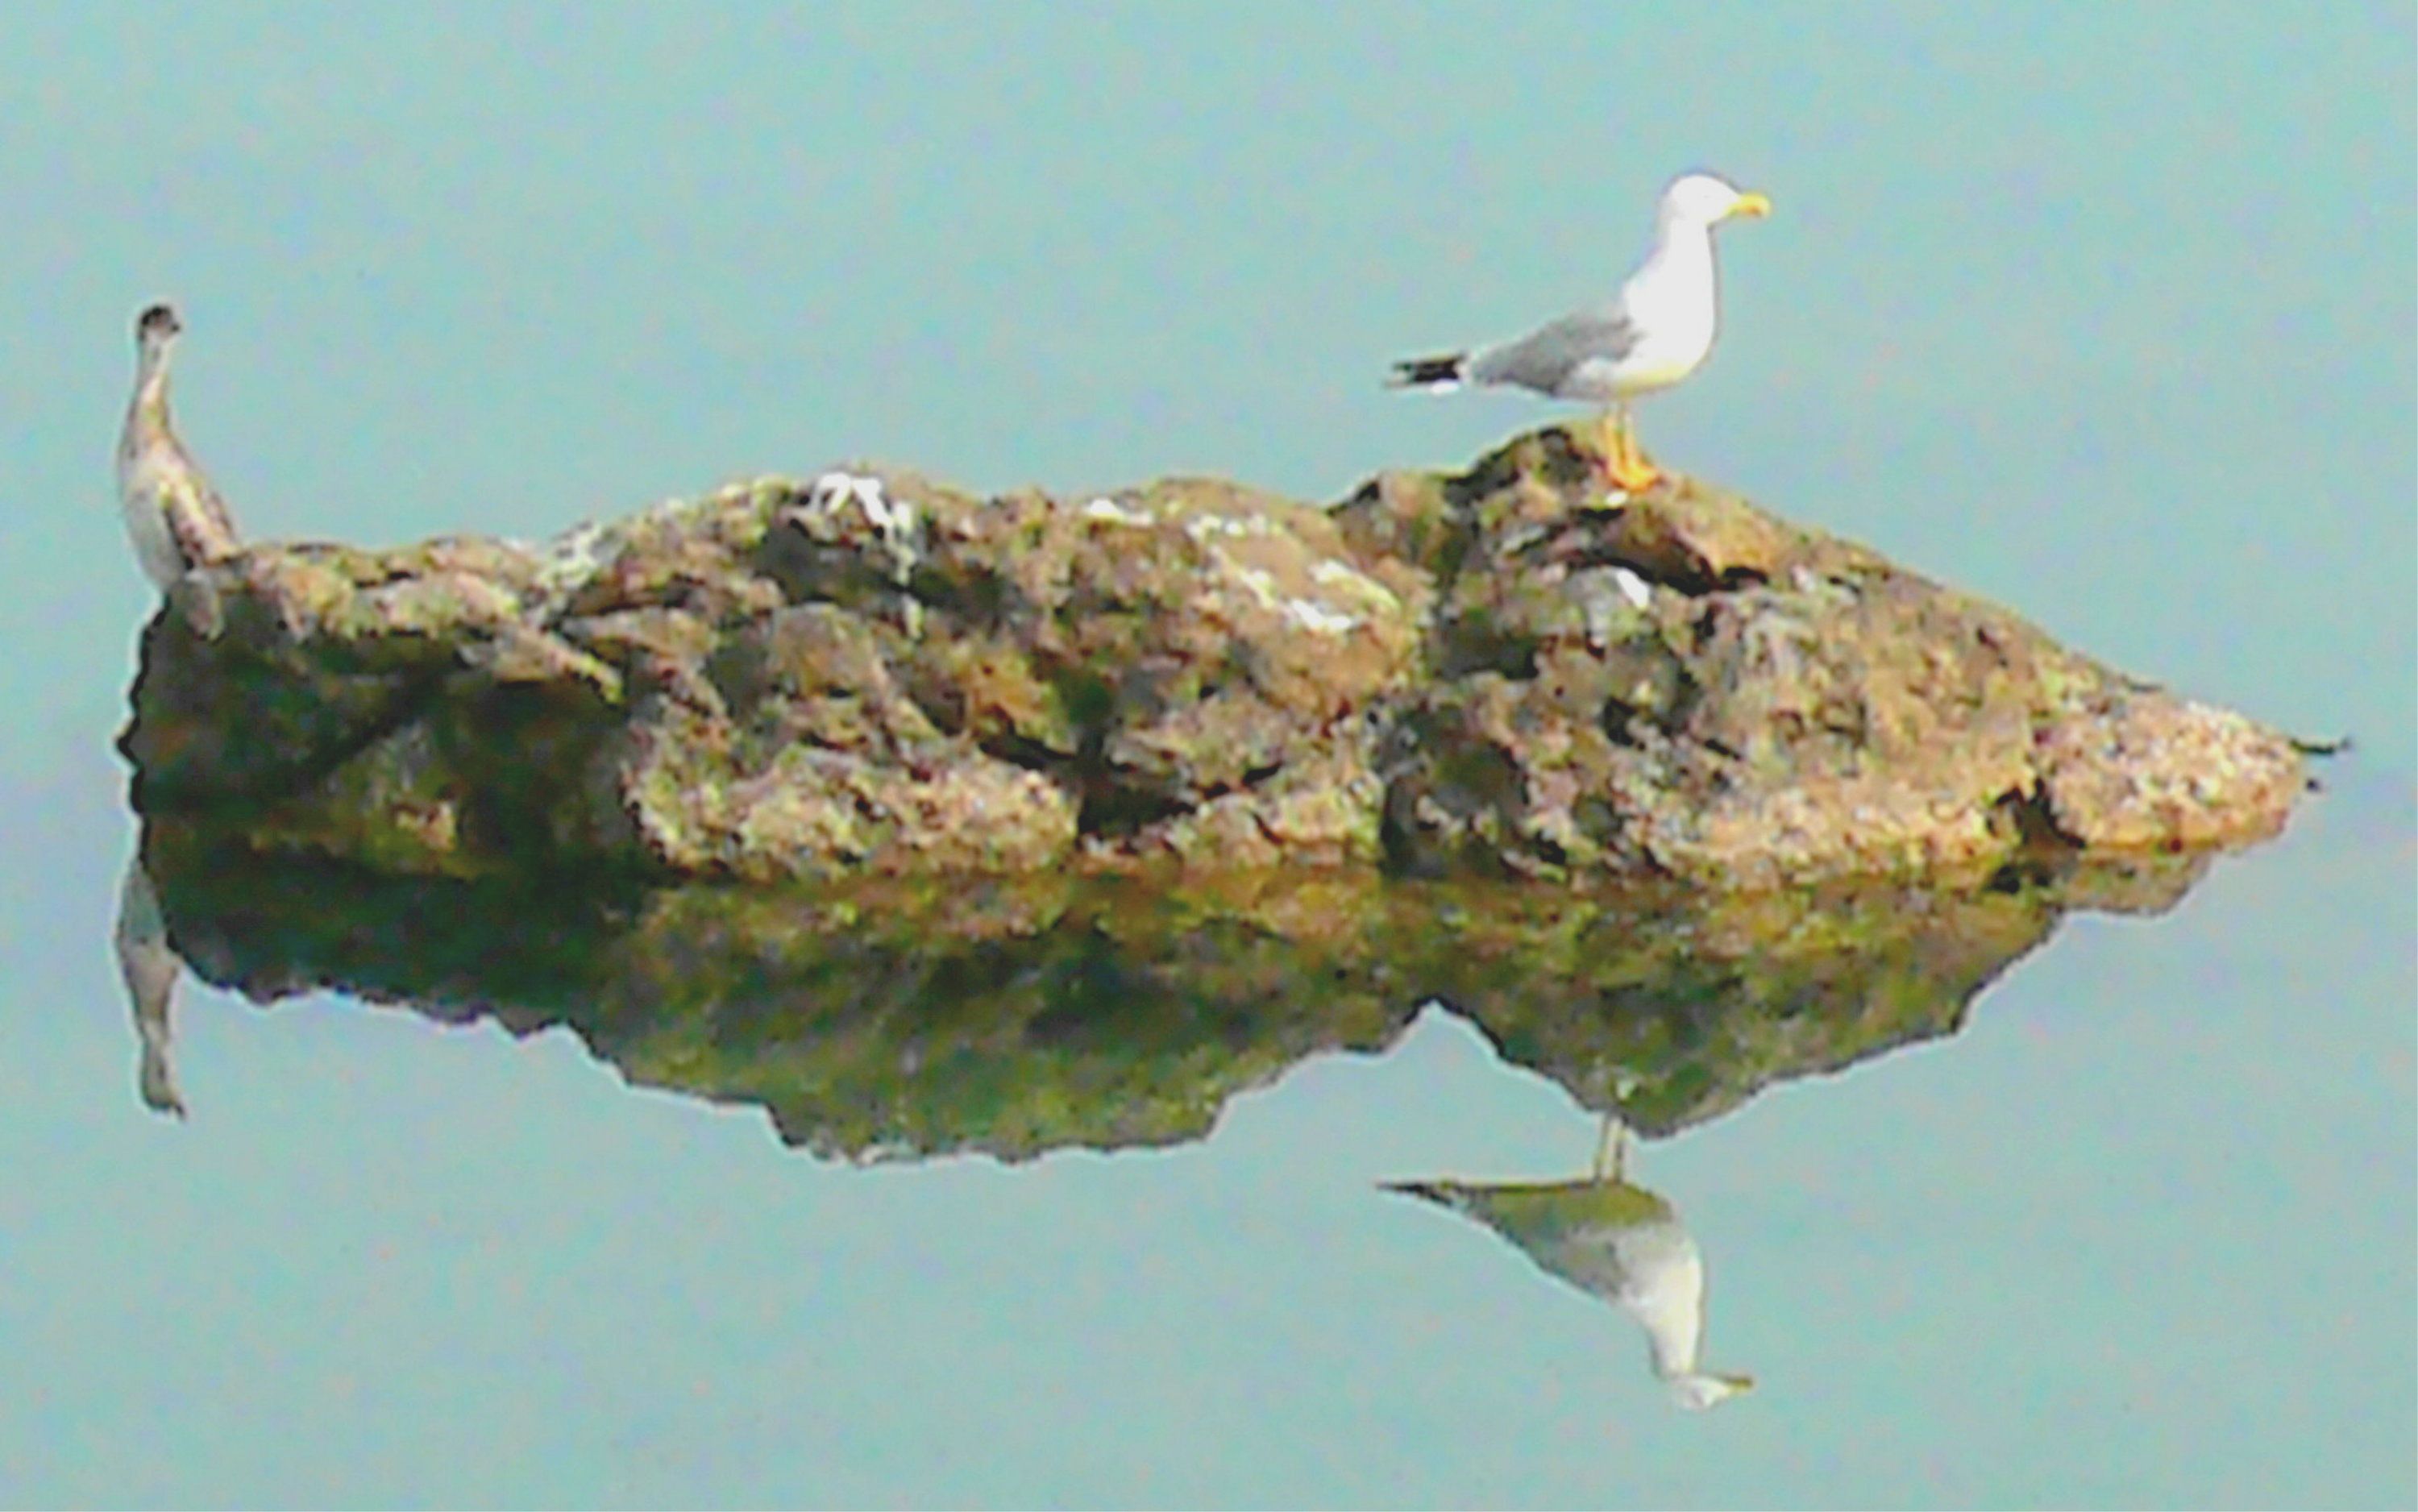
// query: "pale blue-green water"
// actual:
[[2107, 315]]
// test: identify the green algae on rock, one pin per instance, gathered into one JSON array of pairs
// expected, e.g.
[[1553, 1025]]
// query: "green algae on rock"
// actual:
[[1493, 674], [901, 1017]]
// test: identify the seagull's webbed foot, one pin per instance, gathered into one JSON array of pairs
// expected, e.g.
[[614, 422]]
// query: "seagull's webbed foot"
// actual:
[[1633, 474]]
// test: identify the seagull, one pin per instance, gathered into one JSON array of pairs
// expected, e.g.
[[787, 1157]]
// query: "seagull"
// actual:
[[1611, 1240], [1655, 332], [176, 519]]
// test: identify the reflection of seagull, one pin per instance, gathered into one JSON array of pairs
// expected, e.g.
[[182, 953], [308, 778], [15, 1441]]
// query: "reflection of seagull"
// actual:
[[149, 968], [1610, 1239], [175, 517], [1656, 331]]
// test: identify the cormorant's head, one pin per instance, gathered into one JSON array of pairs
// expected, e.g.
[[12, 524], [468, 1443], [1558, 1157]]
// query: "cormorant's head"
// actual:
[[157, 325]]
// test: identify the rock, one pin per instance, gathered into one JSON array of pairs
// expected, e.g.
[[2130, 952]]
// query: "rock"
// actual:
[[1493, 674]]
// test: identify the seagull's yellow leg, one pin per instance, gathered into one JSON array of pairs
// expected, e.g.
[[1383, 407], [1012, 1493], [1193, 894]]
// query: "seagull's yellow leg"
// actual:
[[1613, 446], [1631, 472]]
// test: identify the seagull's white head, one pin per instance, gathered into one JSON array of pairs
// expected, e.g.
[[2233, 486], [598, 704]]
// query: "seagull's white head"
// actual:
[[157, 326], [1705, 200], [1697, 1390]]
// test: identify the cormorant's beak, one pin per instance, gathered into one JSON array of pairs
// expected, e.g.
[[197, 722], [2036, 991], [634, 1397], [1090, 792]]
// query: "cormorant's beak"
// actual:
[[1751, 203]]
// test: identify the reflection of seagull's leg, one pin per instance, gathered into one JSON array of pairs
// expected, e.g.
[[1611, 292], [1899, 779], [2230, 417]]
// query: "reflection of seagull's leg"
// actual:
[[149, 969], [1612, 1151]]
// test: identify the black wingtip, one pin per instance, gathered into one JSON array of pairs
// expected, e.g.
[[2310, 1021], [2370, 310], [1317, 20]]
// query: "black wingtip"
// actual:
[[1422, 372]]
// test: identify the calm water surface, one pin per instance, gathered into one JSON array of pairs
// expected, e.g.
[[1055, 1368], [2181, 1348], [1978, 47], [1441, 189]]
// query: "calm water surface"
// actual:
[[2106, 320], [2138, 1232]]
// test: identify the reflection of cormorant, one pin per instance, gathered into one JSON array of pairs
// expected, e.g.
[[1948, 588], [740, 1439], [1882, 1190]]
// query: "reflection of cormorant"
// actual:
[[1611, 1240], [149, 968]]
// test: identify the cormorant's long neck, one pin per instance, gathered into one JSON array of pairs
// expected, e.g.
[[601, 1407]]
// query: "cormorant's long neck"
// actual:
[[146, 419]]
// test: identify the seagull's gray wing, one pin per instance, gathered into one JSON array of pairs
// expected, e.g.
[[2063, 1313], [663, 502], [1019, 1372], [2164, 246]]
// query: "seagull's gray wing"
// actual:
[[1545, 359]]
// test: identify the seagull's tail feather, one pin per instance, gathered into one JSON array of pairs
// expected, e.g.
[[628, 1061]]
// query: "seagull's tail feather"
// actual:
[[1436, 375]]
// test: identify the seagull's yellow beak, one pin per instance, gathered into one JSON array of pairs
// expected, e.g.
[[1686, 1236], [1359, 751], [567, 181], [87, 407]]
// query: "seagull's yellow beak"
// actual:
[[1752, 204]]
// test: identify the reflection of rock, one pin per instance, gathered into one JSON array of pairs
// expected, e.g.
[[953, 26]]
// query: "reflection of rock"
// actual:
[[148, 966], [1614, 1241], [1013, 1017], [1476, 675], [1711, 1000]]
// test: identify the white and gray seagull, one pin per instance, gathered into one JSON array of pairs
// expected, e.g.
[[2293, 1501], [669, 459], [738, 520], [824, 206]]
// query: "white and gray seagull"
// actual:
[[176, 519], [1656, 331], [1616, 1242]]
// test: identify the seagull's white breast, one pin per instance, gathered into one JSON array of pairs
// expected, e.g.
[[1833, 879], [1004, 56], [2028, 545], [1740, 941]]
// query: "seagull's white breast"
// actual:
[[1673, 302]]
